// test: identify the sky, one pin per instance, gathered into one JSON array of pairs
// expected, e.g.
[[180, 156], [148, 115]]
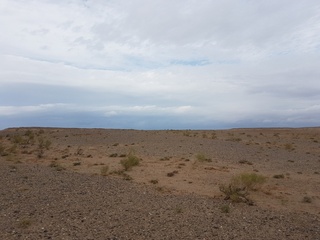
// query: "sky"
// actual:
[[159, 64]]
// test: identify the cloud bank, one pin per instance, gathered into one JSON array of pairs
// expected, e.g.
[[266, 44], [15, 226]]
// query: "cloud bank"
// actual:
[[160, 64]]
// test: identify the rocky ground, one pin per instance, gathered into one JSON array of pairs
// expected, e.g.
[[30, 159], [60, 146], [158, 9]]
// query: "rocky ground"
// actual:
[[53, 185]]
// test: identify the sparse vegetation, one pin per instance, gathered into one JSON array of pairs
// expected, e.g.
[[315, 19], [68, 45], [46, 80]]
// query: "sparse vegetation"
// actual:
[[25, 223], [238, 189], [44, 144], [154, 181], [245, 162], [213, 136], [130, 161], [186, 133], [289, 147], [250, 181], [104, 170], [225, 208], [79, 151], [202, 158], [307, 199], [122, 173], [57, 166], [178, 209], [278, 176], [234, 193], [234, 139], [13, 149], [2, 150]]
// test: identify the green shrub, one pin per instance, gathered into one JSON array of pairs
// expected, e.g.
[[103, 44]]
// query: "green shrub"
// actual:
[[130, 161]]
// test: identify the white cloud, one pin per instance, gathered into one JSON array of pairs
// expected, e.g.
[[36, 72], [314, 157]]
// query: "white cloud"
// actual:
[[17, 110], [226, 60]]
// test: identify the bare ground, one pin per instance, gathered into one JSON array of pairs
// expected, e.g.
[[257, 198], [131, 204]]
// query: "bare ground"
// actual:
[[52, 185]]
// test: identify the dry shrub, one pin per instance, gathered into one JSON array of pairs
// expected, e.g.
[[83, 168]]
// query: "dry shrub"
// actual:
[[238, 189], [104, 170]]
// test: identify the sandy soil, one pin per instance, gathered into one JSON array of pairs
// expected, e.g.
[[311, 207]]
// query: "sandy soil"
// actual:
[[69, 184]]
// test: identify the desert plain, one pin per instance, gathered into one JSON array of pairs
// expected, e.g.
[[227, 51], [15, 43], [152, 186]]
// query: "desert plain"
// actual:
[[68, 183]]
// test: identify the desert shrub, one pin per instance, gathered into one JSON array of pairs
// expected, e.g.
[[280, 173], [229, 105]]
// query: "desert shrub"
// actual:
[[44, 144], [245, 162], [234, 193], [104, 170], [30, 136], [57, 166], [213, 135], [130, 161], [24, 223], [225, 208], [202, 158], [40, 153], [178, 209], [2, 150], [289, 147], [306, 199], [79, 151], [122, 173], [278, 176], [238, 189], [13, 148], [17, 139], [126, 177], [186, 133], [154, 181], [250, 181], [41, 131]]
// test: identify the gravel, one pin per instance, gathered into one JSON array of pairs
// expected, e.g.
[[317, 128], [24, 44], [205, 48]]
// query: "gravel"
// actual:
[[38, 202]]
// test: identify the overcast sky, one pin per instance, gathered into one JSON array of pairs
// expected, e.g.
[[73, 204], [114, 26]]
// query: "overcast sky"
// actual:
[[160, 64]]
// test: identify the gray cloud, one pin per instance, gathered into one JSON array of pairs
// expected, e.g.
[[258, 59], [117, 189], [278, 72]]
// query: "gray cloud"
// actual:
[[161, 63]]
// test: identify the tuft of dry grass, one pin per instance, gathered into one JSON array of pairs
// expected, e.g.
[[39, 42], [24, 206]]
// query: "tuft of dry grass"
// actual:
[[202, 158], [250, 181], [307, 199], [104, 170], [25, 223], [57, 166], [278, 176]]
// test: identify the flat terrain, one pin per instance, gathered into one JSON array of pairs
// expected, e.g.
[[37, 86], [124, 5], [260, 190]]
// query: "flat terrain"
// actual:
[[70, 184]]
